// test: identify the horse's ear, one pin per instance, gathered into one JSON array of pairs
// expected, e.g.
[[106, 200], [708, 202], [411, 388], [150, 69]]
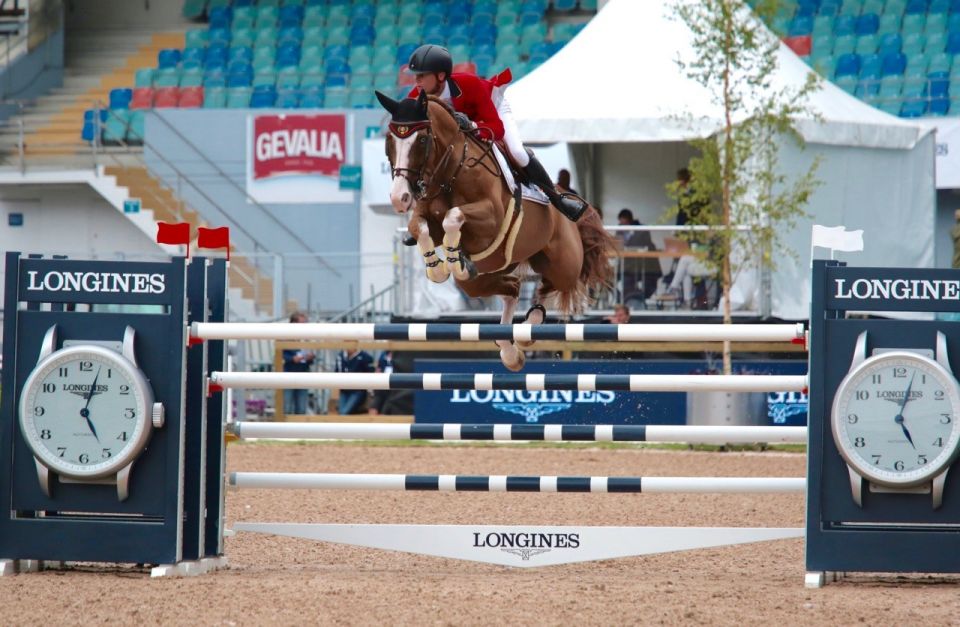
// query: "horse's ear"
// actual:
[[422, 101], [387, 102]]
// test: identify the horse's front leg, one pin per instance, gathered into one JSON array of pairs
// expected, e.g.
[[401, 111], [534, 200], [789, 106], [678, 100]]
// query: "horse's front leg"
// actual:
[[457, 262], [436, 270]]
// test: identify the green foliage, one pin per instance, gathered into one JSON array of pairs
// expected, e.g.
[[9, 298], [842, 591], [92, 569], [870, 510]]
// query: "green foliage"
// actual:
[[735, 178]]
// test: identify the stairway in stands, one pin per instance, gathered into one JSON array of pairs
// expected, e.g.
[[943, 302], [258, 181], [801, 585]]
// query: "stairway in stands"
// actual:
[[96, 62], [167, 207]]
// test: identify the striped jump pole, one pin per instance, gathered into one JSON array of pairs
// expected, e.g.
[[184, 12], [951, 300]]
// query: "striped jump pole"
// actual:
[[506, 432], [505, 483], [528, 382], [515, 332]]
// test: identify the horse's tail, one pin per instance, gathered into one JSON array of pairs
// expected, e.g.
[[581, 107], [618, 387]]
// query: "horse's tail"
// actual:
[[596, 274]]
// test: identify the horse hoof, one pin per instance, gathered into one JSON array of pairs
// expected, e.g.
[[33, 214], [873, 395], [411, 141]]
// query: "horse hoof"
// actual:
[[535, 315], [437, 274], [512, 358]]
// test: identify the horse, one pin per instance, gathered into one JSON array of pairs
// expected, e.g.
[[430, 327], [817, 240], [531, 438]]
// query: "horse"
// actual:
[[455, 192]]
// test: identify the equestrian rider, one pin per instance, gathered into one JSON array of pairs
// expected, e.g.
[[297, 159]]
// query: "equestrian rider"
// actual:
[[480, 107]]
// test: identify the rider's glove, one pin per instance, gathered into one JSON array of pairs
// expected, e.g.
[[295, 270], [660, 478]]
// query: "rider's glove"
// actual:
[[465, 123]]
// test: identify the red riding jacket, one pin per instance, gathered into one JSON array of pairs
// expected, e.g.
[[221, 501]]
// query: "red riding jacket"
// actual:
[[473, 96]]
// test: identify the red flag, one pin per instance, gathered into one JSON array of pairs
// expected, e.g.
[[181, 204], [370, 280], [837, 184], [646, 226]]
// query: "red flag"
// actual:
[[176, 233], [214, 238]]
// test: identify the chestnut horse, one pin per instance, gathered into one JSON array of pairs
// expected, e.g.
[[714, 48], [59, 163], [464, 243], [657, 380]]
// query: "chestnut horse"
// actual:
[[453, 187]]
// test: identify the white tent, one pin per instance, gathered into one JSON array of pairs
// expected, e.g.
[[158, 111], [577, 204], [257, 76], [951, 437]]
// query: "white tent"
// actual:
[[617, 95]]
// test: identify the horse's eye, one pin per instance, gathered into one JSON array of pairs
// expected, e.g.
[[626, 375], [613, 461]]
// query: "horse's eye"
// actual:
[[423, 139]]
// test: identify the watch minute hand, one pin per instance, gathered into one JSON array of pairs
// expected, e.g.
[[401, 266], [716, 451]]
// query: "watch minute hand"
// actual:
[[906, 395], [93, 387]]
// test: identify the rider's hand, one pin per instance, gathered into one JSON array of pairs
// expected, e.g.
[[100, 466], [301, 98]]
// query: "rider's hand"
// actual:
[[464, 122]]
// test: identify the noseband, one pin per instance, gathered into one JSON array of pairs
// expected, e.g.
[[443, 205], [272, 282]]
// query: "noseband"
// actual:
[[423, 177]]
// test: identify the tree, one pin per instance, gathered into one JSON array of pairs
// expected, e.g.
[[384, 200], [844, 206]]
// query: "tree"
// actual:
[[735, 178]]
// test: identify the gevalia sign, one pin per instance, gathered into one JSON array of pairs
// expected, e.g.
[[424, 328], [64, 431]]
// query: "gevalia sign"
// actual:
[[297, 158]]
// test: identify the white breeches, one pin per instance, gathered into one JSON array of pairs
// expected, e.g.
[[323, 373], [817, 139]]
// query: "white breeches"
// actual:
[[687, 268], [511, 135]]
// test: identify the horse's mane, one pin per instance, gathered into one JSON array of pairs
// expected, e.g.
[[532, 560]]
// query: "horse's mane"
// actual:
[[443, 103]]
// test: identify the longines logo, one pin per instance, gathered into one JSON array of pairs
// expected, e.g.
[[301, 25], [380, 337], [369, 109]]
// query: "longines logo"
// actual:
[[82, 389], [897, 289], [532, 405], [96, 282], [526, 545], [784, 405], [897, 396]]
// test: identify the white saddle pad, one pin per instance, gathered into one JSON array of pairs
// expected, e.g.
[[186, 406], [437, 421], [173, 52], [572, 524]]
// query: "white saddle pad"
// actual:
[[529, 192]]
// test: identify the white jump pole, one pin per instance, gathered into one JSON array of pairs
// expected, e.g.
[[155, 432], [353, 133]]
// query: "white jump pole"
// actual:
[[692, 434], [518, 332], [535, 382]]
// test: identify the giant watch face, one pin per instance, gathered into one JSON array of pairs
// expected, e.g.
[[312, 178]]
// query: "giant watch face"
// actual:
[[895, 418], [85, 411]]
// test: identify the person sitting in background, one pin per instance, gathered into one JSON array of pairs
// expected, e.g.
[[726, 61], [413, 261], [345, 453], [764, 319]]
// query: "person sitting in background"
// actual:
[[353, 360], [563, 182], [688, 268], [636, 270], [385, 366], [295, 360], [621, 315]]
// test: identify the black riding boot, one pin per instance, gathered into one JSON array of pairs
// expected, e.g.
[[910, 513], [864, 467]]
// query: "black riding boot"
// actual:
[[569, 205]]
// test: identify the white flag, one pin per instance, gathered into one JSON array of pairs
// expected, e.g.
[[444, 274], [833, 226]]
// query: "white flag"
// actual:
[[837, 238]]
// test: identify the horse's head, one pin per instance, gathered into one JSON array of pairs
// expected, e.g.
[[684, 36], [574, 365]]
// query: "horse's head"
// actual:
[[409, 144]]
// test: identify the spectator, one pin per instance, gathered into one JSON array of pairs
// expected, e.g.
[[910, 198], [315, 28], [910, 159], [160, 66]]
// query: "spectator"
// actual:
[[688, 208], [353, 360], [294, 360], [384, 365], [688, 268], [621, 315], [955, 234], [563, 182], [636, 271]]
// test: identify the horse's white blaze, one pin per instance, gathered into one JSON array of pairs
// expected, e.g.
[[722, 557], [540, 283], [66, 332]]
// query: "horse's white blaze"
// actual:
[[401, 186]]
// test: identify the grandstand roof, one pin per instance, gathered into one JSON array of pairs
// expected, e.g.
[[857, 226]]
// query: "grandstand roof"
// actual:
[[618, 81]]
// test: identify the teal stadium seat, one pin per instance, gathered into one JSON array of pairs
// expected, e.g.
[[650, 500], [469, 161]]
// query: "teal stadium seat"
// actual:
[[851, 7], [265, 76], [135, 132], [312, 78], [238, 97], [362, 80], [195, 38], [936, 43], [241, 22], [267, 16], [844, 44], [338, 35], [936, 23], [895, 6], [143, 77], [314, 21], [361, 98], [288, 78], [314, 36], [846, 83], [410, 34], [191, 77], [336, 97], [913, 23], [872, 6], [913, 44], [263, 57], [387, 35], [115, 127], [891, 86], [360, 55], [193, 9], [532, 35], [889, 23], [940, 62], [243, 37], [866, 44], [266, 37], [167, 77]]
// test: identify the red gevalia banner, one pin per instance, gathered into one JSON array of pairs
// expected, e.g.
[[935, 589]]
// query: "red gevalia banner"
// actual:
[[298, 144]]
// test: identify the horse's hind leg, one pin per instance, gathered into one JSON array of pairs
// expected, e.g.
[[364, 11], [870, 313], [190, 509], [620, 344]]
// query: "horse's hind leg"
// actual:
[[507, 286], [535, 315]]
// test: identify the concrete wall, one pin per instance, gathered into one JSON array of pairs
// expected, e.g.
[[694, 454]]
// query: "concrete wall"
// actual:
[[69, 219], [147, 14], [202, 155]]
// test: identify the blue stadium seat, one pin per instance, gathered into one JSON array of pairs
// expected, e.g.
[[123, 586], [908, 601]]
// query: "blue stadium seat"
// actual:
[[890, 42], [799, 25], [939, 85], [436, 34], [913, 108], [291, 35], [263, 97], [288, 98], [362, 35], [848, 65], [404, 52], [337, 52], [218, 37], [953, 22], [290, 16], [953, 43], [458, 35], [844, 25], [214, 77], [938, 6], [240, 54], [220, 17], [240, 75], [288, 55], [916, 6], [120, 98], [868, 24], [484, 34], [192, 57], [311, 98], [168, 58], [939, 106], [894, 63]]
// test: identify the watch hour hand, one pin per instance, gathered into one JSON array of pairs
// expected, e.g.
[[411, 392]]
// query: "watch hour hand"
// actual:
[[906, 432], [86, 415]]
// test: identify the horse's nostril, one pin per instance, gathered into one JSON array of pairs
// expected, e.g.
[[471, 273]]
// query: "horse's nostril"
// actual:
[[405, 198]]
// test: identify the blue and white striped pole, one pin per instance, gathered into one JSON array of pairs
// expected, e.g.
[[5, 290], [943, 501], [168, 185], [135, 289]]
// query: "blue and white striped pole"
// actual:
[[694, 434], [529, 382], [505, 483], [514, 332]]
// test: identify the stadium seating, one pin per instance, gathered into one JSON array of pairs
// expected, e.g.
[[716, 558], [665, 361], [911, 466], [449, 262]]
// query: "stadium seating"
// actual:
[[897, 55], [333, 53]]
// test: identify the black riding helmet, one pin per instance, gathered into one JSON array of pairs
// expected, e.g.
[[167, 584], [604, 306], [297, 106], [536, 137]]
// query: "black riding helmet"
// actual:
[[429, 58]]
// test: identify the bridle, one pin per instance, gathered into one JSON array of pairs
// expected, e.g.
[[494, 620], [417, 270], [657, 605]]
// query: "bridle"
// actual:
[[421, 178]]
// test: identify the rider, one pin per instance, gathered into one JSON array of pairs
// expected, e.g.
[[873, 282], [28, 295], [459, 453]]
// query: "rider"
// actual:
[[474, 98]]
